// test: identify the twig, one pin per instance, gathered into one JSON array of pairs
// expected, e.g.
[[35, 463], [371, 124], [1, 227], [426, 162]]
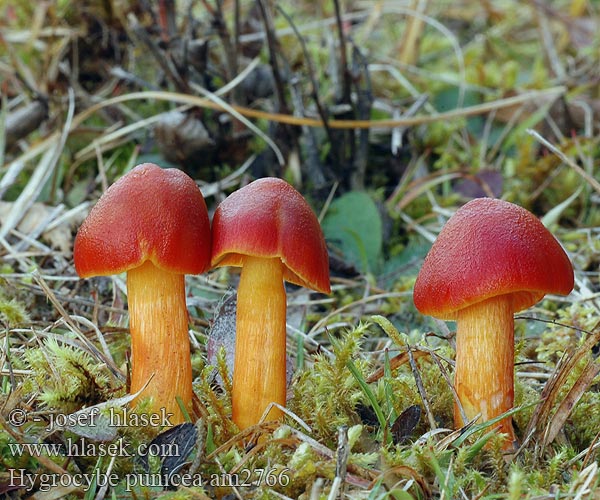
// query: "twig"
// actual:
[[218, 21], [166, 17], [122, 74], [346, 79], [164, 63], [272, 46], [237, 27], [313, 164], [25, 120], [554, 322], [341, 464], [364, 104], [420, 387], [311, 74], [42, 227]]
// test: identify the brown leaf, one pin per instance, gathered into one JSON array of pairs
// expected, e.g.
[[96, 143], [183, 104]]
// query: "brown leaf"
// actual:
[[405, 424], [541, 419]]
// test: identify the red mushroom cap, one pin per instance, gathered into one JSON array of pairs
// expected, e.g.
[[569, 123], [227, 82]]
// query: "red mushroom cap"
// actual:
[[148, 214], [269, 218], [491, 247]]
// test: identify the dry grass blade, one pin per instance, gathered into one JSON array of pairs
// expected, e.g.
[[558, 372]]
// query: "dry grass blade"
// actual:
[[47, 217], [417, 15], [41, 175], [240, 116], [31, 192], [582, 488], [409, 49], [588, 178], [391, 479], [421, 389], [75, 329], [323, 321], [541, 420], [43, 460], [112, 136], [203, 102], [568, 403], [228, 182]]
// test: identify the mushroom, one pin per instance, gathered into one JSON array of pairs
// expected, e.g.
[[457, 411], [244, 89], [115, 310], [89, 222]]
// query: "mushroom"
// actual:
[[153, 224], [269, 230], [490, 260]]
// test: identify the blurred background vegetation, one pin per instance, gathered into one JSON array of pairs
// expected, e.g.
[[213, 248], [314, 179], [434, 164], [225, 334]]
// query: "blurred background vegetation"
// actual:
[[386, 116]]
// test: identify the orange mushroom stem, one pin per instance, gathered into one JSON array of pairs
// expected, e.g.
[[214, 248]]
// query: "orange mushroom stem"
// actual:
[[259, 376], [485, 353], [269, 230], [159, 337]]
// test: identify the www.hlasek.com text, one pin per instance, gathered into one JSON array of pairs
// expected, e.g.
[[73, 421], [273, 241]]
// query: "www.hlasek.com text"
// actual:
[[82, 447]]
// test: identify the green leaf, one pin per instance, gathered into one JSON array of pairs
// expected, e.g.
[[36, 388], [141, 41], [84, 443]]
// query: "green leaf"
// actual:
[[475, 428], [372, 399], [353, 225], [90, 494], [555, 213]]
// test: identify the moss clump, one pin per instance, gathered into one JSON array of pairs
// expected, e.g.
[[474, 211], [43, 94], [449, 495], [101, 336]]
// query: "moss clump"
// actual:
[[566, 332], [66, 378], [325, 396], [12, 311]]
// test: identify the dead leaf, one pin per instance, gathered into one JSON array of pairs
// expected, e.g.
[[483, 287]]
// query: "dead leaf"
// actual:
[[39, 220], [405, 424]]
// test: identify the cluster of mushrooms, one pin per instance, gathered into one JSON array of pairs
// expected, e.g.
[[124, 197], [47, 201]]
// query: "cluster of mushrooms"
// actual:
[[153, 224], [491, 259]]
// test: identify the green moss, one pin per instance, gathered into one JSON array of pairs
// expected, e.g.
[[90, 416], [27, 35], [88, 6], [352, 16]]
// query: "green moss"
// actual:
[[333, 391], [13, 313], [13, 309], [526, 396], [66, 378], [565, 332], [188, 494]]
